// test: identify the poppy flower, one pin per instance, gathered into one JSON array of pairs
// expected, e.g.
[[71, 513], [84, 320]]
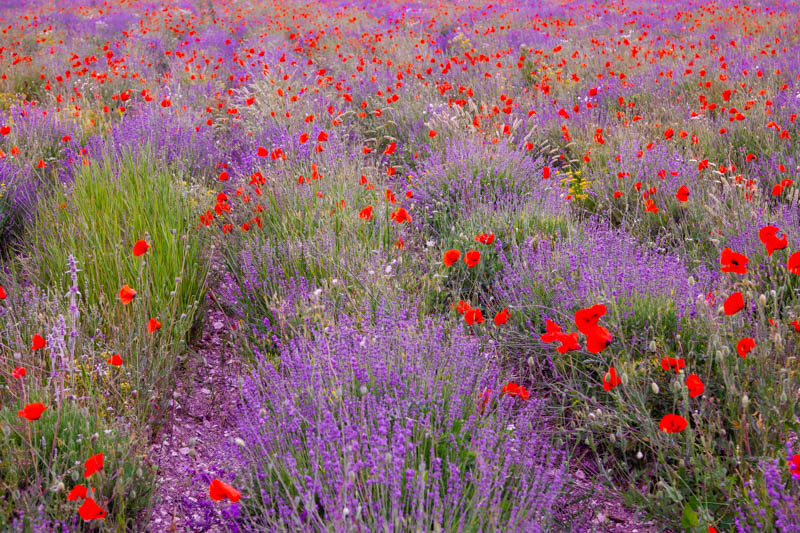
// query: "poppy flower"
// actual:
[[432, 134], [672, 424], [513, 389], [744, 346], [78, 492], [450, 257], [303, 138], [695, 385], [166, 102], [611, 379], [115, 360], [545, 173], [462, 307], [586, 319], [262, 152], [366, 213], [5, 130], [794, 466], [598, 339], [41, 164], [32, 411], [473, 316], [18, 372], [733, 262], [2, 293], [668, 133], [400, 216], [126, 295], [223, 176], [485, 238], [552, 329], [502, 317], [89, 510], [140, 248], [38, 342], [471, 258], [390, 149], [733, 304], [793, 264], [219, 490], [93, 464], [668, 363], [683, 194], [569, 342], [768, 235], [796, 325], [153, 325]]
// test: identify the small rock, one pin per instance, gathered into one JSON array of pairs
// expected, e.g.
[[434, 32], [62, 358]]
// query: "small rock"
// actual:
[[185, 450]]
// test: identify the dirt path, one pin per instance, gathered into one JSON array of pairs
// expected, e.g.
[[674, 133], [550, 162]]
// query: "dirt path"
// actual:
[[203, 408]]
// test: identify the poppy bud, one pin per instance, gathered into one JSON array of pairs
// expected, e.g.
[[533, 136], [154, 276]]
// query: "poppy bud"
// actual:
[[784, 399], [239, 442], [530, 361], [654, 387], [639, 455], [762, 300], [745, 400], [652, 346], [59, 487], [624, 378]]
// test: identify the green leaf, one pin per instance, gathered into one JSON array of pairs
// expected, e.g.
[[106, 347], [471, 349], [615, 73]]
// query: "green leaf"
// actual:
[[689, 518]]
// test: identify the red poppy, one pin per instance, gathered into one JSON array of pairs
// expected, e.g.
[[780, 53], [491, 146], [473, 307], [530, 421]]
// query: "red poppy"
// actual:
[[5, 130], [2, 293], [668, 133], [485, 238], [744, 346], [400, 216], [545, 173], [733, 304], [598, 339], [695, 385], [152, 325], [219, 490], [32, 411], [262, 152], [473, 316], [41, 164], [450, 257], [38, 342], [793, 264], [796, 325], [89, 510], [115, 360], [569, 342], [126, 295], [502, 317], [303, 138], [471, 258], [366, 213], [78, 492], [552, 330], [586, 319], [322, 137], [672, 424], [683, 193], [794, 466], [733, 262], [93, 464], [513, 389], [223, 176], [768, 235], [390, 149], [18, 372], [611, 379], [140, 248], [462, 307], [166, 102], [668, 363], [432, 134]]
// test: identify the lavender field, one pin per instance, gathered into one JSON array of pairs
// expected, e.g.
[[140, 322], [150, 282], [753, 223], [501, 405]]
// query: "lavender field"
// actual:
[[451, 266]]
